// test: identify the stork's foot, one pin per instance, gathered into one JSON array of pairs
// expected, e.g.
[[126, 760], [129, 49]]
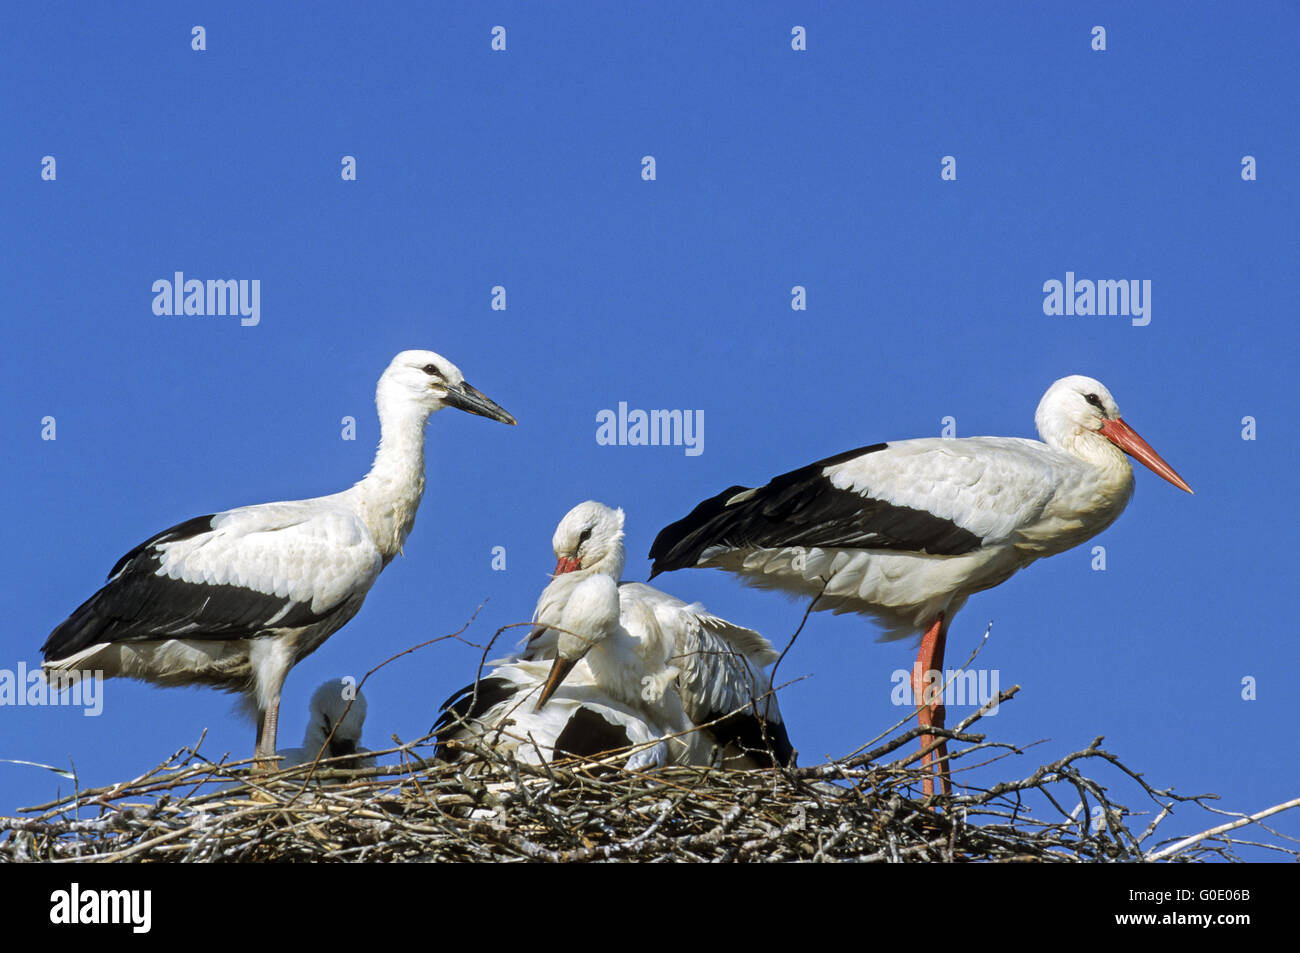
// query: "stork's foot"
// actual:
[[264, 761]]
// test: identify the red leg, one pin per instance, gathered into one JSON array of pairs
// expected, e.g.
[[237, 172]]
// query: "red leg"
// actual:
[[928, 699]]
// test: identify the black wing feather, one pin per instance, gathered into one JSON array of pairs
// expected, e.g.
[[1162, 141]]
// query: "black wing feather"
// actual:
[[466, 705], [803, 508], [588, 735], [137, 604], [760, 739]]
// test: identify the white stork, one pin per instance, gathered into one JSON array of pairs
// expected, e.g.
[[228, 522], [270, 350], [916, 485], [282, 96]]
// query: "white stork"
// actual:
[[336, 715], [236, 599], [715, 666], [905, 532], [602, 707]]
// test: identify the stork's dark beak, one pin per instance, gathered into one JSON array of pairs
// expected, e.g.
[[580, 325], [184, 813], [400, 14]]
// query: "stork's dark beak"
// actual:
[[559, 670], [469, 399]]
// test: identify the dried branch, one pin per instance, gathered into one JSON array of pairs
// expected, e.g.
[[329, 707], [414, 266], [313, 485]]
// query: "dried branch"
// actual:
[[863, 807]]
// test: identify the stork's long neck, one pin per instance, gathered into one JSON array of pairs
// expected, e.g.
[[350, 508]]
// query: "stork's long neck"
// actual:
[[388, 496], [622, 662], [618, 667], [1091, 494], [611, 564], [1111, 469]]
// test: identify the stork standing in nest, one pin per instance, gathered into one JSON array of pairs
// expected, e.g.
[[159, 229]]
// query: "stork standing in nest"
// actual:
[[906, 532], [236, 599]]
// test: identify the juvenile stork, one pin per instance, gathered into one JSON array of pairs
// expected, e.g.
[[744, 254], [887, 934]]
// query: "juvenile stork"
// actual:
[[336, 715], [905, 532], [715, 666], [237, 598], [606, 705]]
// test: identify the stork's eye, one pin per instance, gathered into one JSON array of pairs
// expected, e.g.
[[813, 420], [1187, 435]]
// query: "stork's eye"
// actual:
[[1095, 401], [586, 535], [432, 370]]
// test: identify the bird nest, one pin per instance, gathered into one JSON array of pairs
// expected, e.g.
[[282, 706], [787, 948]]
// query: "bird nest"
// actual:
[[865, 807]]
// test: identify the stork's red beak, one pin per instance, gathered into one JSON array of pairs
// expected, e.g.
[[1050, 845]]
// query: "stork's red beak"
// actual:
[[559, 670], [1127, 439], [567, 564]]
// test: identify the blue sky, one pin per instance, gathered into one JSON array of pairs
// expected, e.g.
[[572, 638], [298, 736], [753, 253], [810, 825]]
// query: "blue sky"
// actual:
[[773, 168]]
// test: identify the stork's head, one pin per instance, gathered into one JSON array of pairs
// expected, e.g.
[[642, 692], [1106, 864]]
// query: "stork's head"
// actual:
[[590, 537], [590, 616], [431, 382], [1077, 412], [339, 698]]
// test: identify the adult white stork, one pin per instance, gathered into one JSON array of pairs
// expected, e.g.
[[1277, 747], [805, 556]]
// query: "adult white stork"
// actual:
[[336, 715], [715, 666], [905, 532], [237, 598], [602, 708]]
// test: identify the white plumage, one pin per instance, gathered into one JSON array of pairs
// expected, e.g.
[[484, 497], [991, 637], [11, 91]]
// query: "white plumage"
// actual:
[[237, 598], [336, 716], [307, 552], [720, 666], [721, 674], [905, 532], [662, 650], [608, 703]]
